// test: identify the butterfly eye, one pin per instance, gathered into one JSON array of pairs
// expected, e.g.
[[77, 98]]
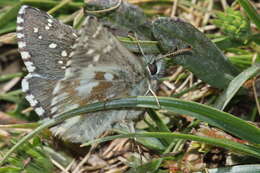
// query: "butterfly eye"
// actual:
[[153, 68]]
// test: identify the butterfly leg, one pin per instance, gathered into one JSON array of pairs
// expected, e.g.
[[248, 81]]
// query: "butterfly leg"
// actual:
[[153, 93]]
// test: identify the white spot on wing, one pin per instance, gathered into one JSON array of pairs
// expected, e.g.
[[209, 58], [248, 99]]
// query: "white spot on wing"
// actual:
[[19, 20], [25, 85], [69, 63], [20, 35], [85, 89], [29, 65], [50, 20], [71, 54], [54, 109], [35, 30], [64, 53], [47, 27], [52, 45], [90, 51], [25, 55], [97, 31], [74, 46], [40, 37], [60, 62], [31, 99], [19, 28], [108, 76], [39, 110], [96, 58], [107, 49], [22, 9], [75, 35], [21, 44]]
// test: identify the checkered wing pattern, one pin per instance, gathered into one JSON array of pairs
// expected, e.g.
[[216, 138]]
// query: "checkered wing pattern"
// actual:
[[68, 69], [45, 45], [100, 68]]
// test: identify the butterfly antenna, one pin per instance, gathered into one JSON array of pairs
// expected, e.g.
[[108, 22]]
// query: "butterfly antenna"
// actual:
[[175, 53], [139, 45], [135, 38], [105, 10]]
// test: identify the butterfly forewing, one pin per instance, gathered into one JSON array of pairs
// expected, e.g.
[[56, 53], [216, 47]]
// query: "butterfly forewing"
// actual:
[[100, 69], [45, 45]]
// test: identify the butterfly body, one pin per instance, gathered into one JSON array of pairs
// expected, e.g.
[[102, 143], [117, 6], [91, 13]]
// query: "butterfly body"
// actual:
[[69, 68]]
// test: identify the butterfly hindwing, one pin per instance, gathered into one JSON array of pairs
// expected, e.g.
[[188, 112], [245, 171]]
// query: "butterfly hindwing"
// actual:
[[45, 45], [38, 92]]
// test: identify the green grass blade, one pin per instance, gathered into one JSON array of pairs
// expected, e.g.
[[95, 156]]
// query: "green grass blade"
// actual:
[[224, 121], [10, 27], [26, 138], [235, 85], [51, 4], [59, 6], [241, 148], [251, 12], [10, 76], [9, 15], [215, 117]]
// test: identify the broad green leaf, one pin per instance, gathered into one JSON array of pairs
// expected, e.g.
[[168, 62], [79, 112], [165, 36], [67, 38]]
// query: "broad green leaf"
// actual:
[[234, 86], [205, 60], [125, 18]]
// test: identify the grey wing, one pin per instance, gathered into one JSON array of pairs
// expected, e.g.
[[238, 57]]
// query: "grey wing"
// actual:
[[100, 69], [44, 44]]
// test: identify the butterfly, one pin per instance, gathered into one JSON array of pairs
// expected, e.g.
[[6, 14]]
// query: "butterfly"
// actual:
[[68, 68]]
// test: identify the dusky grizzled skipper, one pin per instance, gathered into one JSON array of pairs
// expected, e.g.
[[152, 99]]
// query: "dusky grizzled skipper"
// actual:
[[69, 68]]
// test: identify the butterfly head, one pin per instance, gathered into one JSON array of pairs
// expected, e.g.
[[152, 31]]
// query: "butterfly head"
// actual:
[[155, 67]]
